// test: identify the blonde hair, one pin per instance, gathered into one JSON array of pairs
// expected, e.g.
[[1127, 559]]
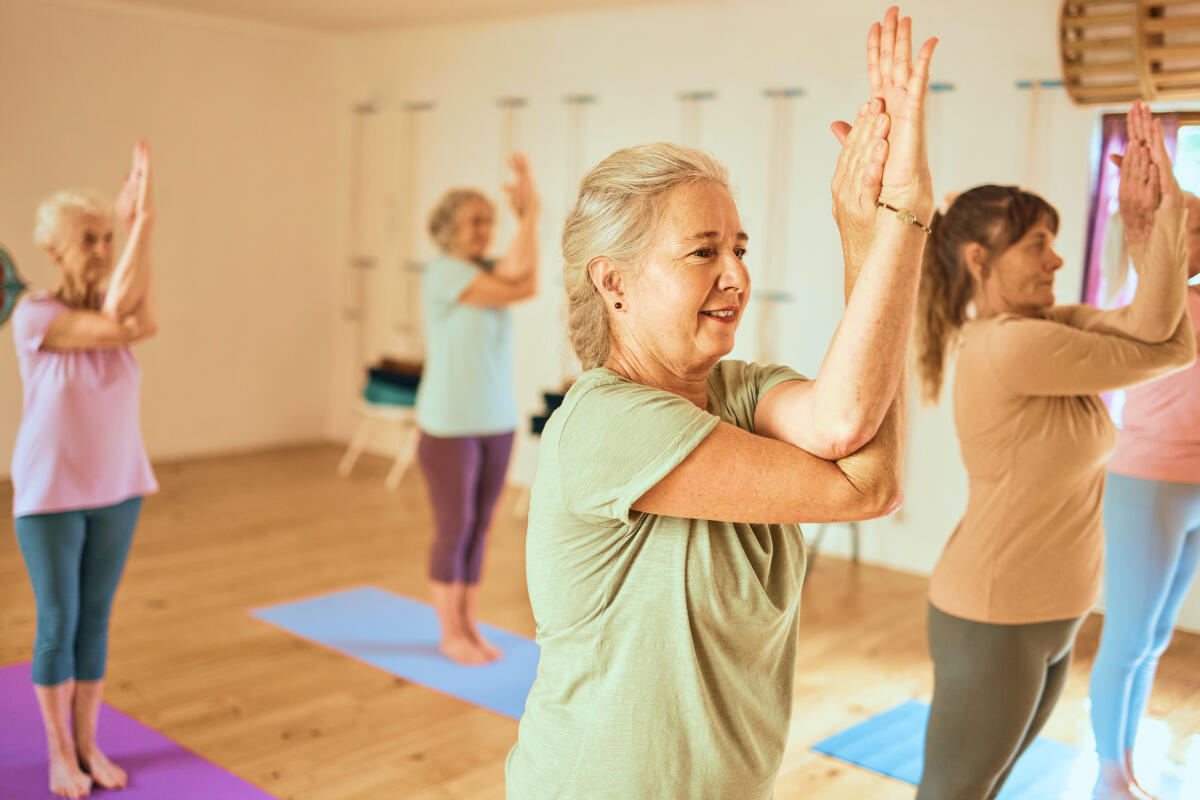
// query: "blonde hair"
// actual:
[[442, 225], [621, 202], [51, 213]]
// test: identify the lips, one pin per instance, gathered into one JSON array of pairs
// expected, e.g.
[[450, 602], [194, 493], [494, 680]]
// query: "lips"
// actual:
[[727, 314]]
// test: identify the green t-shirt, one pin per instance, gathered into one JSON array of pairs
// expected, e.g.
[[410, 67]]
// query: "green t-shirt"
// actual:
[[668, 645]]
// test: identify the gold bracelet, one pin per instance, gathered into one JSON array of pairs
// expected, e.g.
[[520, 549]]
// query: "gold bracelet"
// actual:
[[905, 216]]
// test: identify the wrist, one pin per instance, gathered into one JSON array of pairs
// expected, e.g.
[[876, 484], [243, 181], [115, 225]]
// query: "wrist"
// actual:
[[916, 219]]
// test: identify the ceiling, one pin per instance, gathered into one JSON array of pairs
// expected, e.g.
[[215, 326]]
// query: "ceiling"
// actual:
[[361, 15]]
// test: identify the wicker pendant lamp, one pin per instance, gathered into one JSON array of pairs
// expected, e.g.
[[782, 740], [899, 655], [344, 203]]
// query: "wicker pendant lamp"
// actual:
[[1117, 51]]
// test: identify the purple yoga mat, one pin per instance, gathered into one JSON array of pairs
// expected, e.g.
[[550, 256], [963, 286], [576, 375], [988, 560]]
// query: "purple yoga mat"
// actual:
[[158, 767]]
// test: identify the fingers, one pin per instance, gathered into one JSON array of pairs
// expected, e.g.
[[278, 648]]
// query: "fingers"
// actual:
[[902, 63], [1153, 184], [887, 44], [848, 140], [872, 173], [841, 130], [918, 84], [873, 74], [864, 153]]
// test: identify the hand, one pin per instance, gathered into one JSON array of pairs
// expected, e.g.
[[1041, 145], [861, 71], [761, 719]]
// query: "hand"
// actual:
[[1140, 191], [906, 180], [522, 194], [858, 176], [134, 200]]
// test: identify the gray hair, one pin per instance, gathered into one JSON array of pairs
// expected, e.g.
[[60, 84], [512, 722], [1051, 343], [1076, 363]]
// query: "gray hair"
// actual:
[[442, 227], [621, 203], [48, 221]]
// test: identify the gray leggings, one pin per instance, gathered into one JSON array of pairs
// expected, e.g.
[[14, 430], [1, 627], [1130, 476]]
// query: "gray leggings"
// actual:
[[994, 686]]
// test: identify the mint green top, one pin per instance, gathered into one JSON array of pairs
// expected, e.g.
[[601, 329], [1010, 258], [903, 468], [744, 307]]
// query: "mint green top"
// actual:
[[467, 385], [668, 645]]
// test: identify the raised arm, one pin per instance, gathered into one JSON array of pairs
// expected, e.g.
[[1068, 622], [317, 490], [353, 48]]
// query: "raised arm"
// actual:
[[786, 471], [1156, 239], [1045, 357], [95, 330], [130, 283], [515, 276], [842, 409]]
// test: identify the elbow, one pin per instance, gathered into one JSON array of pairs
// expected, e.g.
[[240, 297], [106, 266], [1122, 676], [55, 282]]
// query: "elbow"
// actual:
[[885, 500], [847, 437]]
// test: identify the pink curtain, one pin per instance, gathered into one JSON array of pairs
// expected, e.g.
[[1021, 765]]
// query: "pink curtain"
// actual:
[[1105, 181]]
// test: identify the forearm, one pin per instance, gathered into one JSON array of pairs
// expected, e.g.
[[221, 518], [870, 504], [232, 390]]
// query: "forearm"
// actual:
[[131, 280], [521, 259], [862, 367], [876, 470], [1161, 295]]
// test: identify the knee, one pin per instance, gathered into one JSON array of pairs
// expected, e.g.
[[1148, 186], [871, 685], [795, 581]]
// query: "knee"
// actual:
[[1124, 649], [454, 530], [93, 619]]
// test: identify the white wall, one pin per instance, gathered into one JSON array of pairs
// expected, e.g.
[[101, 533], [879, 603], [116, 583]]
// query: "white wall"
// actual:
[[637, 60], [245, 140]]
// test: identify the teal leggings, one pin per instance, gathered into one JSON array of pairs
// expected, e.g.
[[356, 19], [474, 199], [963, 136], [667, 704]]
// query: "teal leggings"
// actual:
[[75, 560]]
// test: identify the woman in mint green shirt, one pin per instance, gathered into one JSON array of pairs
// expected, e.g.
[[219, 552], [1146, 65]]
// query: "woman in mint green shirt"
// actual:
[[664, 553], [466, 404]]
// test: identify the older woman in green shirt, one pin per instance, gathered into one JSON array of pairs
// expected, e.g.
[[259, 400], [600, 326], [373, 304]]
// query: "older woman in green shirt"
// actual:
[[664, 554]]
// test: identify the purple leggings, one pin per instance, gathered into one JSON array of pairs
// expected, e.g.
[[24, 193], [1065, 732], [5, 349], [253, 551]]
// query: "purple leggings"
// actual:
[[465, 475]]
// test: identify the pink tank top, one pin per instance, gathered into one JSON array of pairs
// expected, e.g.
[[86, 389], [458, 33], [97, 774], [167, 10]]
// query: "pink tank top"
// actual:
[[80, 441], [1160, 434]]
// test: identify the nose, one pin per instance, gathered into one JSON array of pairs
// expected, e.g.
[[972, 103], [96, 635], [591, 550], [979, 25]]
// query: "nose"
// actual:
[[1056, 261], [734, 275]]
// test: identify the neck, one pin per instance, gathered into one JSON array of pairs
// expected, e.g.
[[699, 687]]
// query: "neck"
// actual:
[[649, 371], [77, 294]]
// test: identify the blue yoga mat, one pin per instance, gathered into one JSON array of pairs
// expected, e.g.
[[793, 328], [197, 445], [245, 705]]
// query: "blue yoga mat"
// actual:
[[400, 635], [893, 744]]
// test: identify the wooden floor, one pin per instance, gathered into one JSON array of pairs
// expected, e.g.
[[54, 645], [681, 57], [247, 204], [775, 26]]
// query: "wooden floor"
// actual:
[[231, 534]]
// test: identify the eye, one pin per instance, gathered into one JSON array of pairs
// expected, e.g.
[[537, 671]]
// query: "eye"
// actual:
[[705, 252], [740, 252]]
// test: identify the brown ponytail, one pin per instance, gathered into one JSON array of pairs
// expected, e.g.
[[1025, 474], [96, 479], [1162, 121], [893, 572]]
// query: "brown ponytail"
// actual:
[[993, 216]]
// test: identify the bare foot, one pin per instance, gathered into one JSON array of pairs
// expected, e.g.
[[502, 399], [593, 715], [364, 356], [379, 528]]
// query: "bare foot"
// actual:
[[105, 773], [68, 780], [462, 650], [489, 650]]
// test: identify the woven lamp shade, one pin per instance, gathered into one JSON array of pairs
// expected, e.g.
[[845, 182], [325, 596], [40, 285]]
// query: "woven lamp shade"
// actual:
[[1118, 51]]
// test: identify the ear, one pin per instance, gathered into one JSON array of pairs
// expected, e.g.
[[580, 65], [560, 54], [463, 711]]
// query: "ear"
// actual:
[[53, 253], [608, 280], [976, 257]]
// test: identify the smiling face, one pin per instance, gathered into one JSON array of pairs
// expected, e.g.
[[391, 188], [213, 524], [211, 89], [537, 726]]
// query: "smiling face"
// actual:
[[1020, 280], [683, 306], [474, 222], [84, 248]]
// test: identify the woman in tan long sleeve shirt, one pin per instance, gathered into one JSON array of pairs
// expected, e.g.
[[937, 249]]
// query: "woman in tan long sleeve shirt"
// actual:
[[1023, 566]]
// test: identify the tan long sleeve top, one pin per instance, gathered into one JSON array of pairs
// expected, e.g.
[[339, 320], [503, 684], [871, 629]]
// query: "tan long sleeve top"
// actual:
[[1035, 438]]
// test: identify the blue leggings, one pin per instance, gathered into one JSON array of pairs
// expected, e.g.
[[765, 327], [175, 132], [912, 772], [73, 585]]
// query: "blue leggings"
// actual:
[[75, 560], [1152, 544]]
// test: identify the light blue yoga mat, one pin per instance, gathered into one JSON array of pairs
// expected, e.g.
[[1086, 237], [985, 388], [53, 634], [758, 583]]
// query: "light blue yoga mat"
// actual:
[[400, 635], [893, 744]]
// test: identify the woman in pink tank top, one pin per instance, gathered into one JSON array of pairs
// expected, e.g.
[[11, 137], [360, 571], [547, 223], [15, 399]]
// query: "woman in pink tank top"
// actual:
[[79, 468], [1152, 546]]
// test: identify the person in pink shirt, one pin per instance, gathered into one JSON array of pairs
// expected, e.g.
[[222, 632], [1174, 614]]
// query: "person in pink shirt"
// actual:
[[1152, 546], [79, 468]]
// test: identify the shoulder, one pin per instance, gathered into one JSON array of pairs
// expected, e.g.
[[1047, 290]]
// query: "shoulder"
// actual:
[[37, 307]]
